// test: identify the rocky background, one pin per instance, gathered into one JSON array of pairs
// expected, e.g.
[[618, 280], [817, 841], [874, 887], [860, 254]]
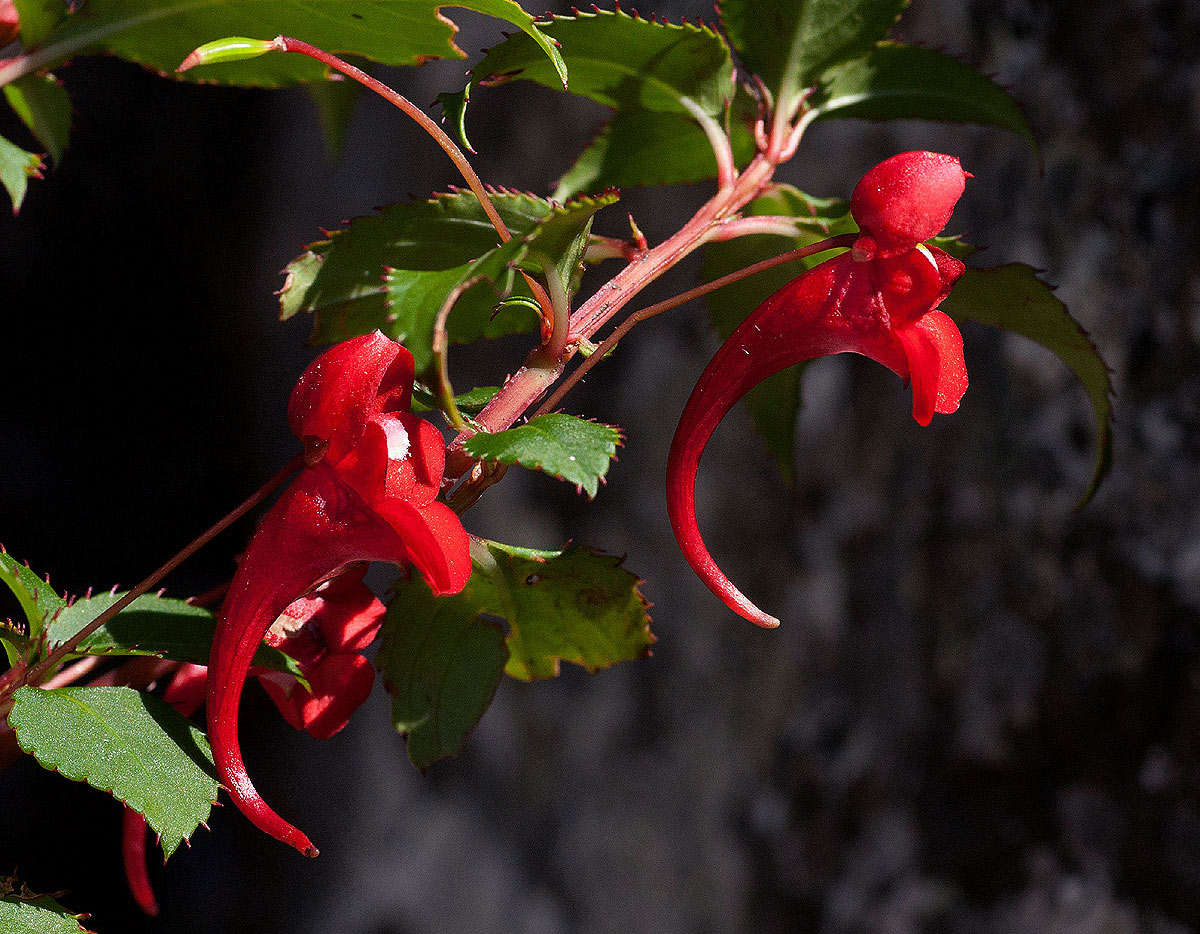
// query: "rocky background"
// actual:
[[982, 711]]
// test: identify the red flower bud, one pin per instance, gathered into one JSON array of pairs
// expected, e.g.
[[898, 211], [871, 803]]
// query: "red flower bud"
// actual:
[[878, 300], [907, 199], [369, 495]]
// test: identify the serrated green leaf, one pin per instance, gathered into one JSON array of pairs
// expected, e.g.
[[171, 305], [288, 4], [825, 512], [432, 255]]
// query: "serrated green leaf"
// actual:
[[151, 625], [1013, 298], [577, 605], [429, 248], [788, 43], [160, 33], [43, 105], [774, 403], [621, 61], [17, 167], [38, 600], [642, 148], [564, 446], [895, 82], [646, 71], [42, 915], [130, 745], [441, 662]]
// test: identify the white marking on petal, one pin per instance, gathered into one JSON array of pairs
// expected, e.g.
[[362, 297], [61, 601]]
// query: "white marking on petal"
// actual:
[[397, 440]]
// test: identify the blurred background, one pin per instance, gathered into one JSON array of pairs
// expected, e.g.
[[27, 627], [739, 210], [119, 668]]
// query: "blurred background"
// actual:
[[982, 710]]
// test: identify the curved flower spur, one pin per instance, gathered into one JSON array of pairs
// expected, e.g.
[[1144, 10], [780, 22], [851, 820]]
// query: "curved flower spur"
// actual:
[[879, 299], [368, 493]]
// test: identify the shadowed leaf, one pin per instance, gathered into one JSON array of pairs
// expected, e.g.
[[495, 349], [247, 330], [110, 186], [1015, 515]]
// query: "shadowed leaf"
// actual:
[[564, 446]]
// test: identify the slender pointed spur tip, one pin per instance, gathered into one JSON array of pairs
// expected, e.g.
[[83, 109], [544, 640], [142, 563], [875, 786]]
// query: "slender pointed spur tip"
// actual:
[[231, 49]]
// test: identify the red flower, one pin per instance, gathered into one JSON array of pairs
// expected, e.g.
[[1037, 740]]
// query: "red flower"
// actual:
[[879, 300], [368, 495], [324, 633]]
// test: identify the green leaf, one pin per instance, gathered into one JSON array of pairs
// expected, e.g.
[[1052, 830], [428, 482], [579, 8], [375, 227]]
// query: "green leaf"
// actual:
[[577, 605], [471, 401], [894, 82], [151, 625], [647, 71], [42, 103], [38, 600], [38, 19], [131, 745], [621, 61], [454, 112], [17, 167], [1012, 297], [160, 33], [441, 662], [428, 248], [37, 915], [644, 148], [14, 647], [775, 402], [788, 43], [570, 448]]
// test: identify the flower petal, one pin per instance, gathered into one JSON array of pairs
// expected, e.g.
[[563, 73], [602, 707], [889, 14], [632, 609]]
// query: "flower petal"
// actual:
[[340, 684], [133, 856], [285, 691], [347, 385], [435, 540], [833, 308], [186, 691], [934, 349], [399, 456]]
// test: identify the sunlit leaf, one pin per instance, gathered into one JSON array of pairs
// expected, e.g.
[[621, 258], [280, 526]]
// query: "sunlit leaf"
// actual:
[[564, 446]]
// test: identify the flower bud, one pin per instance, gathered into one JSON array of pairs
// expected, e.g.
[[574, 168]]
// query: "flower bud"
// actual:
[[907, 199]]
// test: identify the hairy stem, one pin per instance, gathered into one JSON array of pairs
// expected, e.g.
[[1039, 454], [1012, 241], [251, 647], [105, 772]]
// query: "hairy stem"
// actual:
[[539, 374]]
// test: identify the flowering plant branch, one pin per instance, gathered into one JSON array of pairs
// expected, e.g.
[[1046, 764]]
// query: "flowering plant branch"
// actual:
[[391, 457]]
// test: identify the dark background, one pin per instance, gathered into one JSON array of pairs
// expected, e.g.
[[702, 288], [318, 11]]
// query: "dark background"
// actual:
[[982, 710]]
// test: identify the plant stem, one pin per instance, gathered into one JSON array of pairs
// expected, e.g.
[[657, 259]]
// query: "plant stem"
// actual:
[[651, 311], [288, 44], [722, 150], [539, 374], [38, 671], [441, 346]]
